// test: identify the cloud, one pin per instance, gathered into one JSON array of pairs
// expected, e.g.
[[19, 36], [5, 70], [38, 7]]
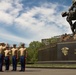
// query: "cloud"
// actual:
[[9, 10], [45, 21], [36, 23], [4, 34], [6, 18]]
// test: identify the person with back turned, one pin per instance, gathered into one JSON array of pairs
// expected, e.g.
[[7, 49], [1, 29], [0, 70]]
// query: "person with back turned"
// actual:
[[23, 55]]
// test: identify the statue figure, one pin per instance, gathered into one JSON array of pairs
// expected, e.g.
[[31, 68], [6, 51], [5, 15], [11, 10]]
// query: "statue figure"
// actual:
[[71, 15]]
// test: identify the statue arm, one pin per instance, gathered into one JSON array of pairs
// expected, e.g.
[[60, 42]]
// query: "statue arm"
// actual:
[[71, 8]]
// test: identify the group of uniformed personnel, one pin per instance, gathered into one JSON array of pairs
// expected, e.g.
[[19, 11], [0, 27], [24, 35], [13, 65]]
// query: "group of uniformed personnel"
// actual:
[[5, 52]]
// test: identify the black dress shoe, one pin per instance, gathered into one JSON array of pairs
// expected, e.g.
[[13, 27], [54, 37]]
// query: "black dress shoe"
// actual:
[[1, 71], [6, 70], [21, 70], [12, 70]]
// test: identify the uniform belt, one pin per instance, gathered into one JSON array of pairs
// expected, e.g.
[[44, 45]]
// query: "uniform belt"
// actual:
[[21, 55]]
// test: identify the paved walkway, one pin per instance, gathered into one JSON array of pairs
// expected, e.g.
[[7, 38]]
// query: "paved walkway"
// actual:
[[41, 71]]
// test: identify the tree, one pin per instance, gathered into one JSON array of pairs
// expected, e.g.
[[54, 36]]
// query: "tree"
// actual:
[[33, 51]]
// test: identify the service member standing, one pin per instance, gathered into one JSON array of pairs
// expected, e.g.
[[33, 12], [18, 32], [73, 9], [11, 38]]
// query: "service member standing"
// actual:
[[7, 59], [2, 47], [23, 55], [14, 51]]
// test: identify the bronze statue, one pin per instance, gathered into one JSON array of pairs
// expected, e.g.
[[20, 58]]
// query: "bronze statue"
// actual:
[[71, 15]]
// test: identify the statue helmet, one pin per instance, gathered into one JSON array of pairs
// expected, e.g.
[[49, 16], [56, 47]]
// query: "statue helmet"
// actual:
[[73, 1]]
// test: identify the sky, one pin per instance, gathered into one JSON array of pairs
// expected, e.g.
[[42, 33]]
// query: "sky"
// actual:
[[24, 21]]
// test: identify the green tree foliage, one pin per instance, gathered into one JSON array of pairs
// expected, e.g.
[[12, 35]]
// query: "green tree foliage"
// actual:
[[35, 46], [33, 51]]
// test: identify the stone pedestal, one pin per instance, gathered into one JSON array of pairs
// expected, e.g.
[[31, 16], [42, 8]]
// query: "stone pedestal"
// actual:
[[66, 51]]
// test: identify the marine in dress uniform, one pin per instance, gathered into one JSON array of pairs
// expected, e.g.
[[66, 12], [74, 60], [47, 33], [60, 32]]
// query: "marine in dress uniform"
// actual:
[[23, 55], [14, 51], [7, 60], [2, 47]]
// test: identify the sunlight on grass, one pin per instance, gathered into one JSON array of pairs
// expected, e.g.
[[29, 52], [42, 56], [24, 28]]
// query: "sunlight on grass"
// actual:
[[52, 65]]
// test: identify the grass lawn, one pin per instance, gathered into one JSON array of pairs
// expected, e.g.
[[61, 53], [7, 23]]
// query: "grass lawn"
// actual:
[[52, 65]]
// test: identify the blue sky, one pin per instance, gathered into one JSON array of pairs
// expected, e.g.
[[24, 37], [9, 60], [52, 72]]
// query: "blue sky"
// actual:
[[32, 20]]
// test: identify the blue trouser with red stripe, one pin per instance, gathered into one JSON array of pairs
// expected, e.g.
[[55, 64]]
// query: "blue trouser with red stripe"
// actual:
[[22, 61], [14, 63], [7, 62], [1, 61]]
